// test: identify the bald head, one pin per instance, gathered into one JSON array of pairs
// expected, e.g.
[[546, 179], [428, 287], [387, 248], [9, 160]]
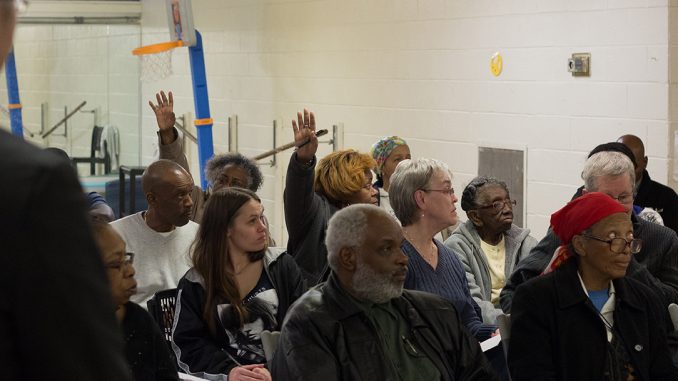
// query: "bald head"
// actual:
[[160, 173], [636, 146], [167, 187]]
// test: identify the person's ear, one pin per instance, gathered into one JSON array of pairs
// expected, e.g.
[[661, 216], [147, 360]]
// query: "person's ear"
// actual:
[[348, 258], [644, 160], [579, 247], [151, 198], [474, 216], [419, 198]]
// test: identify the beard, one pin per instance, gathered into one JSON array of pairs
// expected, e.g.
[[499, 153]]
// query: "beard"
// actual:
[[375, 287]]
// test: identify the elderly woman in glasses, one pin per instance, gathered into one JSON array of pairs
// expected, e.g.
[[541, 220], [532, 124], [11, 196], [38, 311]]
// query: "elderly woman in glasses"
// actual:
[[488, 244], [584, 320], [423, 200], [148, 355]]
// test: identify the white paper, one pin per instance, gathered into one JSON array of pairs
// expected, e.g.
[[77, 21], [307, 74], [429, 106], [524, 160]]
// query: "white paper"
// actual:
[[490, 343]]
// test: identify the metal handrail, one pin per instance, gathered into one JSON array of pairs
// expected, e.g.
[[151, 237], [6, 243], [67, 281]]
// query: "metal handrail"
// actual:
[[62, 121]]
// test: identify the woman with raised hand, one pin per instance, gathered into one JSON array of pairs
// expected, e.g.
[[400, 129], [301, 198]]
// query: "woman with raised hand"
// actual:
[[315, 191]]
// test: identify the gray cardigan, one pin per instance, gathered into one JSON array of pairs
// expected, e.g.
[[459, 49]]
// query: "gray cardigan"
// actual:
[[465, 242]]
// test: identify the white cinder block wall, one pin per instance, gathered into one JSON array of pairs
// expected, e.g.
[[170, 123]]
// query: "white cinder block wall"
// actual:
[[64, 65], [420, 69]]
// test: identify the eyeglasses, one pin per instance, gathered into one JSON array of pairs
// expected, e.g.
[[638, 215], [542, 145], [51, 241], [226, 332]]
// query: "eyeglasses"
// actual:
[[618, 245], [127, 260], [624, 198], [227, 181], [448, 191], [498, 206]]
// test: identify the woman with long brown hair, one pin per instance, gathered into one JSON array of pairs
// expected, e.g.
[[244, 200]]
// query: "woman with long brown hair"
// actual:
[[237, 288]]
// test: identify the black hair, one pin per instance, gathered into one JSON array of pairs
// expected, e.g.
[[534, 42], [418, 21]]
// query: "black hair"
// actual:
[[615, 147]]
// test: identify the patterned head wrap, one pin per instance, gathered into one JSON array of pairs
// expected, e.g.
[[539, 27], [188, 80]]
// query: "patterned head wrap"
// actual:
[[382, 149]]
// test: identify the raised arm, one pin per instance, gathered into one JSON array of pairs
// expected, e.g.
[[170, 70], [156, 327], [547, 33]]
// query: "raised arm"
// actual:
[[168, 143], [301, 202]]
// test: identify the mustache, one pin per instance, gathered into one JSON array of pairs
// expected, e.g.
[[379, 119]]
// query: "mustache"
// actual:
[[401, 271]]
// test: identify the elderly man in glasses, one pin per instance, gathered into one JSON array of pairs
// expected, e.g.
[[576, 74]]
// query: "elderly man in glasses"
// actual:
[[488, 244], [656, 264]]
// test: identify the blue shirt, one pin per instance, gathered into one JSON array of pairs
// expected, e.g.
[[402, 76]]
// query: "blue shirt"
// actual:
[[599, 298], [448, 281]]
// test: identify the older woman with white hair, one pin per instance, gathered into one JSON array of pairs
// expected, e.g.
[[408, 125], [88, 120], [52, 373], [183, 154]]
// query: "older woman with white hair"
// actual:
[[423, 200]]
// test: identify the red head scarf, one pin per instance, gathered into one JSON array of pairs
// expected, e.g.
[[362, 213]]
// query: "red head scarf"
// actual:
[[577, 216]]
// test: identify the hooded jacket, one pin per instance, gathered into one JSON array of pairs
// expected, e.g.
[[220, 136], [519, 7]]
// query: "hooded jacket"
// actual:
[[465, 243]]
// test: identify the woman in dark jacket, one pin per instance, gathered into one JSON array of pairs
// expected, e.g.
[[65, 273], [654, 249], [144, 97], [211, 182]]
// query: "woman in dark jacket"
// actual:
[[584, 320], [236, 289], [315, 191]]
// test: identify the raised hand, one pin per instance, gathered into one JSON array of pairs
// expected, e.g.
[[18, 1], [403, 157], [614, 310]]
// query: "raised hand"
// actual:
[[164, 115], [304, 130]]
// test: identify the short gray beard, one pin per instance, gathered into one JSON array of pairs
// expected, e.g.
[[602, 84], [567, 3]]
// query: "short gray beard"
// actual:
[[371, 286]]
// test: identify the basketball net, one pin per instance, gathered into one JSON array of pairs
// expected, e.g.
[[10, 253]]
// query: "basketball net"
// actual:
[[156, 60]]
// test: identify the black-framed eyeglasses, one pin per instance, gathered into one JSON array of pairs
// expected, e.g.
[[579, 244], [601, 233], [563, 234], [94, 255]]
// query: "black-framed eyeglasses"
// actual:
[[618, 245], [127, 260], [498, 206], [447, 191]]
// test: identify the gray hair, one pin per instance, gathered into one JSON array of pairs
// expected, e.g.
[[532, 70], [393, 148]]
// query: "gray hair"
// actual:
[[347, 228], [606, 163], [408, 177], [215, 166], [469, 198]]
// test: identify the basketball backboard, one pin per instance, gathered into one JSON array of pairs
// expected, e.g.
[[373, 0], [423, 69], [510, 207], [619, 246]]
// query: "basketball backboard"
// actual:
[[180, 21]]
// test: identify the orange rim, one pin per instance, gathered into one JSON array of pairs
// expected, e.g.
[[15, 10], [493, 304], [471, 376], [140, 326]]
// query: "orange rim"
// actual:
[[157, 48]]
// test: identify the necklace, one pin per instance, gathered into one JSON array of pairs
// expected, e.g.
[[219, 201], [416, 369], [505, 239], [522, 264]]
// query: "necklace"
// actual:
[[242, 268], [428, 255]]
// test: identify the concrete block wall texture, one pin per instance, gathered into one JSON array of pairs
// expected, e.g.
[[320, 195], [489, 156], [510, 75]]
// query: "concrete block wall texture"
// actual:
[[415, 68], [420, 69], [64, 65]]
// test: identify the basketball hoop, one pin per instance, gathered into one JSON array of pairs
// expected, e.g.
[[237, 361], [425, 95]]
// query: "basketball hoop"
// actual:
[[156, 60]]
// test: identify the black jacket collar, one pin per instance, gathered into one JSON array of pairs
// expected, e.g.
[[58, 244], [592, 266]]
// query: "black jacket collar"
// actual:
[[569, 290]]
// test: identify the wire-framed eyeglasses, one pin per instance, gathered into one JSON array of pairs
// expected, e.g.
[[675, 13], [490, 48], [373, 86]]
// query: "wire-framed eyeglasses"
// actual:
[[618, 245], [498, 206], [445, 191], [127, 260]]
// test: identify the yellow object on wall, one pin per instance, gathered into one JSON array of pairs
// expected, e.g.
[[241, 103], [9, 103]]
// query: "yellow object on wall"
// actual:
[[496, 64]]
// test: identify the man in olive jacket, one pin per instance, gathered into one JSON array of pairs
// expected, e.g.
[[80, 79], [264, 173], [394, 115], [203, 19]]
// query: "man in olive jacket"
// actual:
[[362, 325]]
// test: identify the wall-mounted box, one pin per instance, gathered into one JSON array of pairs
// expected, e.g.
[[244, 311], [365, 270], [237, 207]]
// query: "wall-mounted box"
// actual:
[[579, 65]]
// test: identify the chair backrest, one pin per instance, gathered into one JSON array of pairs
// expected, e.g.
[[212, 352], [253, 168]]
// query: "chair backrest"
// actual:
[[269, 340], [161, 307], [504, 323]]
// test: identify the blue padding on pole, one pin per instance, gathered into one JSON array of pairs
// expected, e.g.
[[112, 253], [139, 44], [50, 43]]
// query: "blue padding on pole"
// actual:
[[202, 105], [16, 121]]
